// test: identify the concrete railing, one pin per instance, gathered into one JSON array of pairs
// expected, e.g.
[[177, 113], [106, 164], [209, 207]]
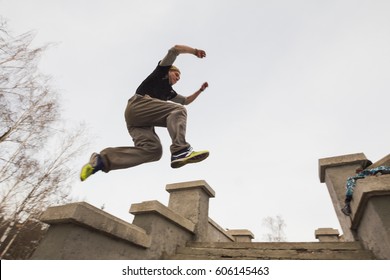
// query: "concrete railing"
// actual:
[[82, 231], [369, 222]]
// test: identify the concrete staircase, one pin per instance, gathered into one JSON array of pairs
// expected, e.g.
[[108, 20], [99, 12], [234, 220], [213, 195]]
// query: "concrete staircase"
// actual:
[[272, 251]]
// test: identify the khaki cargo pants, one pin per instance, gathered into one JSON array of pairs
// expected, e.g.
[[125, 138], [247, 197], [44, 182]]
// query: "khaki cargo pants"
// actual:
[[142, 114]]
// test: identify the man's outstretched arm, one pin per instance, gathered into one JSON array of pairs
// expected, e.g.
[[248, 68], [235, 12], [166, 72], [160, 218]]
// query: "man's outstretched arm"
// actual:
[[186, 49], [180, 49], [189, 99]]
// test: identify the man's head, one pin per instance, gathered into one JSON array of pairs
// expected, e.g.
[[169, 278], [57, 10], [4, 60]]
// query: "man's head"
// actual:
[[174, 75]]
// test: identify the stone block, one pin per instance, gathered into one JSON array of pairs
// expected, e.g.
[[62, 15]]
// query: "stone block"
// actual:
[[191, 200], [330, 162], [241, 235], [327, 235], [217, 234], [167, 229]]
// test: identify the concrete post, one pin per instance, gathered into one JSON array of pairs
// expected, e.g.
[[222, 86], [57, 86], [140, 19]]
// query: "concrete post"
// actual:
[[241, 235], [334, 171], [167, 229], [191, 200], [370, 214], [327, 235]]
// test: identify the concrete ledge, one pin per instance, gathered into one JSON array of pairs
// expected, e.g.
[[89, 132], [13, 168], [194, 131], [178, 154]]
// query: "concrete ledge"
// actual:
[[272, 251], [241, 235], [384, 161], [157, 208], [325, 163], [327, 235], [86, 215], [366, 189], [217, 228], [191, 185]]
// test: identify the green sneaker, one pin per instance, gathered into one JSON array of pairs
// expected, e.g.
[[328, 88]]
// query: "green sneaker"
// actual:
[[94, 165], [188, 156]]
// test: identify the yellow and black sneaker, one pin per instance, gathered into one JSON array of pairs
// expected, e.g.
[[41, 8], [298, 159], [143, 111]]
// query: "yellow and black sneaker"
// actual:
[[187, 156], [94, 165]]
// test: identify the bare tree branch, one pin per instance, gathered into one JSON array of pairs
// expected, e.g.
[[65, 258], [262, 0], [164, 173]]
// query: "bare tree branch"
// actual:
[[275, 227], [35, 148]]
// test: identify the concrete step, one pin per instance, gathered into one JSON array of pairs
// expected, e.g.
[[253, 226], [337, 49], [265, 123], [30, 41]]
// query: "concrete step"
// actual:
[[273, 251]]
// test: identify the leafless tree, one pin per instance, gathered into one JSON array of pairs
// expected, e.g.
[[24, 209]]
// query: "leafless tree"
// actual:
[[275, 227], [36, 150]]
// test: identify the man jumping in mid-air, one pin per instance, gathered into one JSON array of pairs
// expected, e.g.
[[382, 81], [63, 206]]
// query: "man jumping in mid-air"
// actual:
[[148, 108]]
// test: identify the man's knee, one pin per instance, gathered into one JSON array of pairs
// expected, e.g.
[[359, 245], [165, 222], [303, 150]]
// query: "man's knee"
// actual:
[[154, 153], [182, 110], [179, 113], [158, 151]]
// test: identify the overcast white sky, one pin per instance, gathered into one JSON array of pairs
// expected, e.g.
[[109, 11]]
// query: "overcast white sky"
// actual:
[[290, 82]]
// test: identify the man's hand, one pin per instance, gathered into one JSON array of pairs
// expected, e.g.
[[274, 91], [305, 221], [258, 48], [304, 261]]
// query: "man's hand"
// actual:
[[200, 53], [192, 97], [186, 49], [204, 86]]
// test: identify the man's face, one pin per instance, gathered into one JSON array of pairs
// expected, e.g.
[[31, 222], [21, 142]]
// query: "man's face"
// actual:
[[174, 77]]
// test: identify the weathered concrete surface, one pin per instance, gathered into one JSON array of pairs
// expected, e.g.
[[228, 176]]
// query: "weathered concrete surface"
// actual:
[[384, 161], [327, 235], [87, 215], [72, 242], [199, 184], [81, 231], [365, 190], [216, 233], [331, 162], [167, 228], [241, 235], [272, 251], [191, 200], [370, 219], [154, 206], [334, 171], [371, 214]]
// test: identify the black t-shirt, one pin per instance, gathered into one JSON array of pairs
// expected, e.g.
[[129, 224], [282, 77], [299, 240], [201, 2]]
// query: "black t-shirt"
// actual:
[[157, 85]]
